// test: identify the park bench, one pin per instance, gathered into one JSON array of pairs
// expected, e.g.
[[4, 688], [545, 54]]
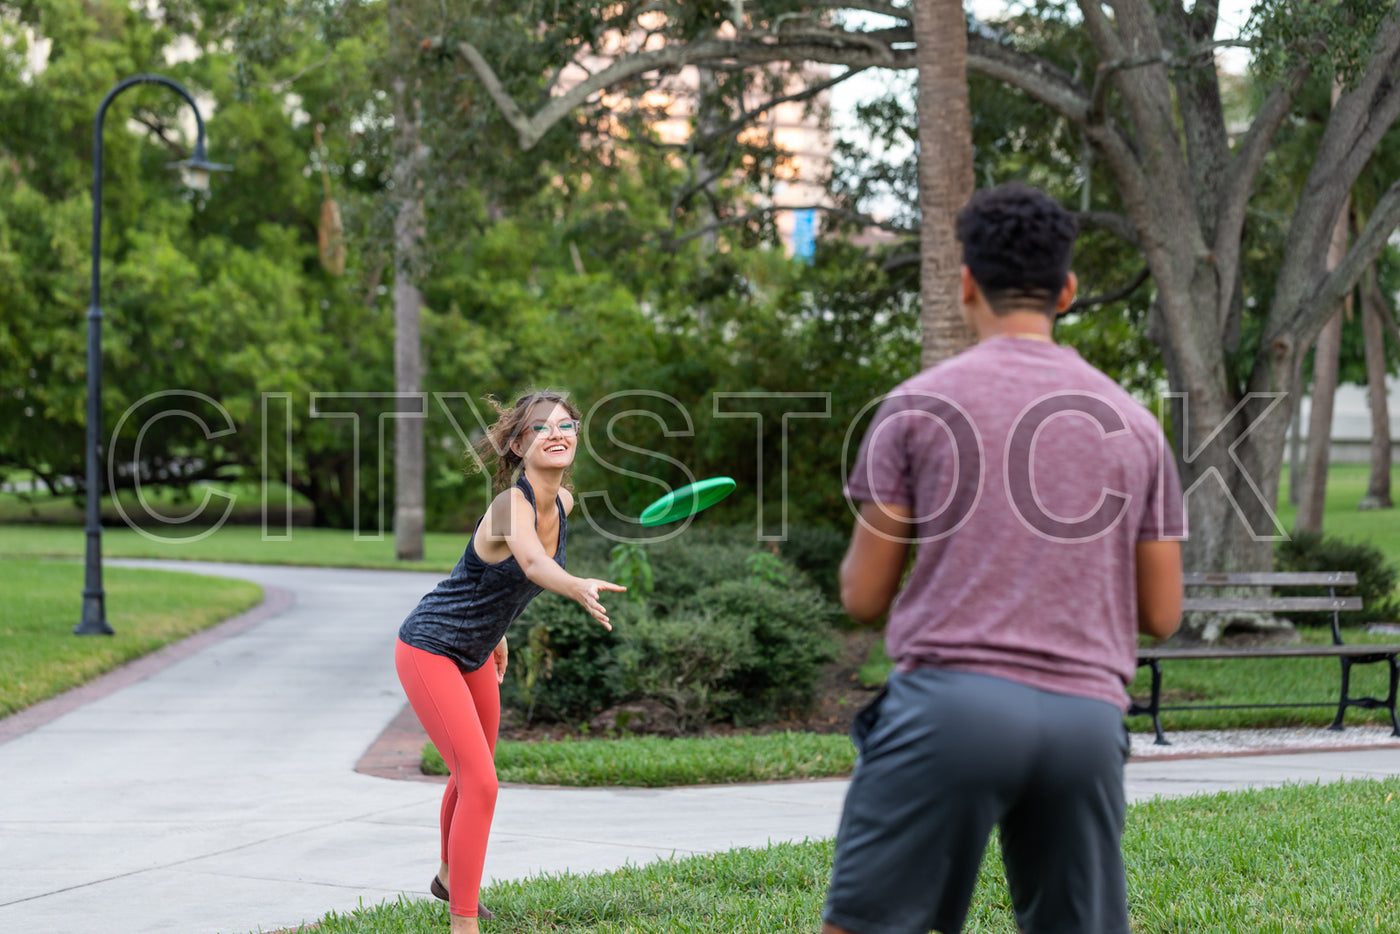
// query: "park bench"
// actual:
[[1349, 655]]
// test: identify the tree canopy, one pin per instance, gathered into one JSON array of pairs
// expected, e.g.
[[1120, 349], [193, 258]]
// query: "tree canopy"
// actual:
[[557, 241]]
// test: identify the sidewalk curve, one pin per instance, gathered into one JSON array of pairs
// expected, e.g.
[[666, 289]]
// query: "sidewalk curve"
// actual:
[[217, 793]]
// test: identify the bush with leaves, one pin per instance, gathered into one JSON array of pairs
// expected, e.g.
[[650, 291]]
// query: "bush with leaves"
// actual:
[[683, 569], [1376, 578], [791, 632], [817, 552], [724, 632], [684, 662], [563, 665]]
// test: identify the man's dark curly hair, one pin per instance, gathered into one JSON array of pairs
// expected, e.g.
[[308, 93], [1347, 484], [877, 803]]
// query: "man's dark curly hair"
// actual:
[[1017, 242]]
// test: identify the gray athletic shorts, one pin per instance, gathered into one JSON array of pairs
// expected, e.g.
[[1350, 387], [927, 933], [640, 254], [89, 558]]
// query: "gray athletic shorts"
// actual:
[[946, 755]]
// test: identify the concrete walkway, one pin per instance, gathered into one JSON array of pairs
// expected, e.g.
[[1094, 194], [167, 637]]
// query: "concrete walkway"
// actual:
[[217, 794]]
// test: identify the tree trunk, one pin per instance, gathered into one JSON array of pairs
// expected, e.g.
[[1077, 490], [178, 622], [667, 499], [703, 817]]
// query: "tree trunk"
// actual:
[[706, 123], [1378, 488], [945, 172], [1295, 436], [1326, 359], [1232, 522], [1325, 364], [408, 304]]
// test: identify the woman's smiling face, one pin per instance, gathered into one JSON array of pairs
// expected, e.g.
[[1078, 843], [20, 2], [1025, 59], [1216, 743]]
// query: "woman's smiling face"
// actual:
[[549, 437]]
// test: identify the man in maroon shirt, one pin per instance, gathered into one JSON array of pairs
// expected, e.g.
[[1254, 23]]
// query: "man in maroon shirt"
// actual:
[[1048, 516]]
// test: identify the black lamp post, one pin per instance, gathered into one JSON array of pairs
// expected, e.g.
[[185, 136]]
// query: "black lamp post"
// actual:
[[197, 169]]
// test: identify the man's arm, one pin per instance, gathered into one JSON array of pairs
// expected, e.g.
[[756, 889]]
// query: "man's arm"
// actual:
[[1159, 587], [874, 562]]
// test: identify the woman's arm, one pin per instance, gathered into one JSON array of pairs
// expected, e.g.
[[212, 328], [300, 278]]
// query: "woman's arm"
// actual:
[[515, 525]]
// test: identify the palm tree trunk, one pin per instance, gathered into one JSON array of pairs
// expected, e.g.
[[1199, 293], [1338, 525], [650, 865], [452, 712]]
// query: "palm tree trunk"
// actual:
[[408, 305], [945, 172]]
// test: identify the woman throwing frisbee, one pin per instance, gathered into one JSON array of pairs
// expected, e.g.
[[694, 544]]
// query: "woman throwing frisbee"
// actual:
[[451, 653]]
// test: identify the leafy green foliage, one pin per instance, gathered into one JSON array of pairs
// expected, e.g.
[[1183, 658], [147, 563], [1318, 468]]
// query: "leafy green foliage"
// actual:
[[535, 267], [721, 637], [216, 294], [791, 630], [631, 568], [568, 669], [685, 663], [817, 552], [766, 568], [1340, 35]]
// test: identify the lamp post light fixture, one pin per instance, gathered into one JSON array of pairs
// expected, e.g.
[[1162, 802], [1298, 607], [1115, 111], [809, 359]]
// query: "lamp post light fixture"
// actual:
[[196, 169]]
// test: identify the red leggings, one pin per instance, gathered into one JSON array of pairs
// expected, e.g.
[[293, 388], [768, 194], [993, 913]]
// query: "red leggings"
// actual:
[[461, 713]]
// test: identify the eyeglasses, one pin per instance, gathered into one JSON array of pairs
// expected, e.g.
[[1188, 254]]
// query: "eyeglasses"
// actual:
[[567, 427]]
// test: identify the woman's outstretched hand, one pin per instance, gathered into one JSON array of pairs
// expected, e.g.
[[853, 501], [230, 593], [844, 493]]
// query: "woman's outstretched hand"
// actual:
[[587, 593]]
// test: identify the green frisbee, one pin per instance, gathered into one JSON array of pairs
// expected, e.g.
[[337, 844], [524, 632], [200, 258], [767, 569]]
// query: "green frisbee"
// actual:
[[687, 501]]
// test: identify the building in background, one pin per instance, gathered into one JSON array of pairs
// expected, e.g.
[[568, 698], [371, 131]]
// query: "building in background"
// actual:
[[801, 129], [1351, 423]]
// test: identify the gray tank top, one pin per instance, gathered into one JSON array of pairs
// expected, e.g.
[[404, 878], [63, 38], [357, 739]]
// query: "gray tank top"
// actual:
[[464, 616]]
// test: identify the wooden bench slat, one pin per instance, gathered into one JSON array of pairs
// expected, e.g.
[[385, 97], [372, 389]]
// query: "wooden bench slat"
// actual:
[[1271, 578], [1268, 651], [1270, 604]]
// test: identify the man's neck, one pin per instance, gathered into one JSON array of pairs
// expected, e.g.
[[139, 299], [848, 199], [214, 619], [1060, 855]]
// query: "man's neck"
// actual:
[[1023, 335], [1025, 325]]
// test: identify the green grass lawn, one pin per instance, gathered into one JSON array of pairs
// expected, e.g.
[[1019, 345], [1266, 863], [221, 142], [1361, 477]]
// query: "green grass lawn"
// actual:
[[1346, 484], [41, 602], [44, 526], [1313, 858], [36, 506], [659, 762], [243, 544]]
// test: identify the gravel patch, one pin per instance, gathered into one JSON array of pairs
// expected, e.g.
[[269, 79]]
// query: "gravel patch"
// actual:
[[1200, 743]]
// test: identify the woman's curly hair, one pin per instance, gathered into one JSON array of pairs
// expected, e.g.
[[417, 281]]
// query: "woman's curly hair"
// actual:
[[494, 455]]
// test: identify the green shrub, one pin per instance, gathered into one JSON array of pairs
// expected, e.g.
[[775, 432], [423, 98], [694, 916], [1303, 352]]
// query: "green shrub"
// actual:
[[683, 662], [563, 664], [682, 570], [725, 632], [1375, 577], [792, 638], [767, 568], [630, 567], [588, 551], [817, 552]]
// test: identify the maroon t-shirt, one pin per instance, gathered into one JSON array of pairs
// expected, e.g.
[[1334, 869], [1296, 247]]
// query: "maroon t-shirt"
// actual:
[[1032, 476]]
